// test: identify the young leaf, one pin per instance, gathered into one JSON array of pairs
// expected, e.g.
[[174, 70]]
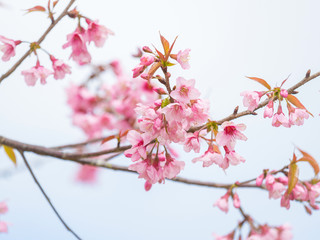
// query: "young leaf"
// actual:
[[292, 177], [261, 81], [107, 139], [308, 158], [165, 44], [154, 67], [295, 101], [9, 151], [36, 9], [171, 48]]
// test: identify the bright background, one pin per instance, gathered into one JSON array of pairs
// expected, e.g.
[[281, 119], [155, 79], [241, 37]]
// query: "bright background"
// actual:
[[229, 40]]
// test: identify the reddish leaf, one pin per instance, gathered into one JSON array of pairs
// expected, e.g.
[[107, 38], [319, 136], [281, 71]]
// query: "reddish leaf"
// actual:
[[154, 67], [10, 153], [55, 3], [292, 177], [165, 45], [123, 134], [107, 139], [161, 56], [171, 48], [36, 9], [308, 158], [261, 81], [295, 101]]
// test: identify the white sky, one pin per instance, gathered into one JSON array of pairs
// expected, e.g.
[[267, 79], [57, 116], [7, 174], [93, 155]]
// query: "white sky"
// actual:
[[228, 40]]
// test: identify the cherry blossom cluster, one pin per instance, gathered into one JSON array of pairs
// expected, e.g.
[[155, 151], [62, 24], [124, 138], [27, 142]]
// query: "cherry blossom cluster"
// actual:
[[3, 210], [110, 108], [303, 191], [223, 202], [78, 41], [296, 111], [260, 232]]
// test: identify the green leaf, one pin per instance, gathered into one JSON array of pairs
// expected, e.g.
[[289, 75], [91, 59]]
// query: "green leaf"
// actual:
[[165, 102], [10, 153]]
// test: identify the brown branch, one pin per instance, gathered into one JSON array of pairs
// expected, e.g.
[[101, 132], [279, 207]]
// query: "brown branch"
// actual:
[[56, 153], [46, 196], [262, 104], [53, 24], [79, 144]]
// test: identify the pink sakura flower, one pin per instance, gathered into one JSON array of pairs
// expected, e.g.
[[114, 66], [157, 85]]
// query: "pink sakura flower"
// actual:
[[229, 135], [87, 174], [172, 167], [97, 33], [222, 203], [284, 93], [314, 193], [146, 170], [285, 201], [199, 112], [300, 192], [138, 149], [236, 200], [3, 227], [147, 186], [32, 75], [268, 110], [251, 99], [183, 58], [280, 119], [209, 157], [8, 47], [138, 70], [259, 180], [146, 60], [60, 68], [274, 187], [297, 116], [232, 157], [285, 232], [77, 41], [192, 142], [3, 207], [80, 99], [185, 90]]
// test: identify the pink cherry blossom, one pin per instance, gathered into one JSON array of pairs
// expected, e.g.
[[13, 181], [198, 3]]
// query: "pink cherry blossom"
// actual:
[[259, 180], [183, 58], [87, 174], [209, 157], [285, 201], [285, 232], [77, 42], [138, 70], [185, 90], [280, 119], [222, 203], [250, 99], [60, 68], [172, 167], [32, 75], [226, 237], [146, 170], [297, 116], [3, 207], [232, 157], [284, 93], [230, 133], [138, 149], [147, 186], [192, 142], [268, 110], [314, 193], [236, 200], [146, 60], [8, 47], [97, 33], [3, 227], [80, 99]]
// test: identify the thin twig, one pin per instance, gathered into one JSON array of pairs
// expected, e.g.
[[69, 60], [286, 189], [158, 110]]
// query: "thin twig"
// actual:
[[79, 144], [46, 196], [53, 24]]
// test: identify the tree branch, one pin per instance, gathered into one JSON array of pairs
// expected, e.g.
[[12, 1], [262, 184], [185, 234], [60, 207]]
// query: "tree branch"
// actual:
[[46, 196], [53, 24]]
